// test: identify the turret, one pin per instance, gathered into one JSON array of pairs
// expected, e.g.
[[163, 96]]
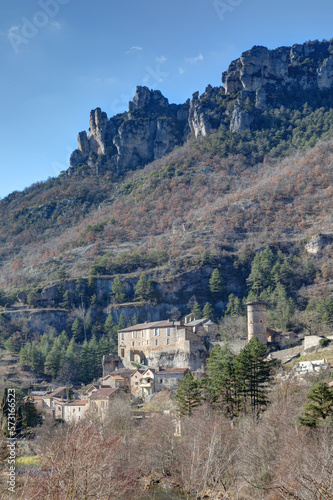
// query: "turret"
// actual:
[[256, 321]]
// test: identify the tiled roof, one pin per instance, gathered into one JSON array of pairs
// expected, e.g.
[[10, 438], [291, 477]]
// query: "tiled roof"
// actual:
[[82, 402], [173, 370], [147, 326], [55, 392], [103, 393]]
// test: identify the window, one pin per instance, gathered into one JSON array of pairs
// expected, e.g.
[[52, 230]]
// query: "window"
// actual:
[[156, 332], [147, 342], [122, 353], [168, 341], [139, 343], [133, 335], [142, 333], [168, 332], [122, 335], [156, 342], [147, 333], [133, 344]]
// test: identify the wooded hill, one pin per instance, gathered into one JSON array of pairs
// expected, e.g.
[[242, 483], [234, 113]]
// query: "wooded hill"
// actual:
[[247, 203]]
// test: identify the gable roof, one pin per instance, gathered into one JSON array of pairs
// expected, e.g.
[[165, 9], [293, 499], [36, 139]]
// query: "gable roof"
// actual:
[[56, 392], [173, 370], [82, 402], [103, 393], [148, 326]]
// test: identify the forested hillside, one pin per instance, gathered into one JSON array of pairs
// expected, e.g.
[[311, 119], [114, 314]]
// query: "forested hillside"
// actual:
[[93, 247]]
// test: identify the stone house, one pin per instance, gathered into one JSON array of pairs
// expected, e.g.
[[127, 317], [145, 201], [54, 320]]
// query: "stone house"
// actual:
[[59, 393], [147, 383], [99, 402], [74, 411], [168, 344], [168, 378]]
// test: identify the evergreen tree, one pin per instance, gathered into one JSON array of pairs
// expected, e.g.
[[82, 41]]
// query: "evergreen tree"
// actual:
[[252, 375], [86, 364], [196, 310], [216, 284], [66, 301], [77, 330], [30, 414], [261, 271], [320, 408], [112, 332], [144, 289], [121, 322], [71, 361], [221, 384], [88, 324], [187, 394], [234, 306], [208, 311], [95, 359], [52, 361], [104, 346], [118, 291]]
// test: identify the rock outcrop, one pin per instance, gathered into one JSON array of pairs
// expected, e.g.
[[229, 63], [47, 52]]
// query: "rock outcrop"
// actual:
[[259, 80]]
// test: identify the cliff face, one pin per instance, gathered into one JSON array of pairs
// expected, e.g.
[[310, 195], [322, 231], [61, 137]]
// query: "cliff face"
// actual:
[[258, 80]]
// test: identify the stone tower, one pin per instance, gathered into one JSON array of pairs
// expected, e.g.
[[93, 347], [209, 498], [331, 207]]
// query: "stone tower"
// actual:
[[256, 321]]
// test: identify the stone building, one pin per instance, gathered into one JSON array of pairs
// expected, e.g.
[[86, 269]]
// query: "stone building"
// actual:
[[256, 321], [167, 344], [74, 411]]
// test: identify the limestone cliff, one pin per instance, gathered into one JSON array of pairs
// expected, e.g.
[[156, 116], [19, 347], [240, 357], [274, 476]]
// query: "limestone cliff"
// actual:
[[151, 128]]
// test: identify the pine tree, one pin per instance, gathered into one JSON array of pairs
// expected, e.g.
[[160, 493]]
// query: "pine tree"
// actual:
[[208, 311], [121, 322], [30, 414], [221, 383], [234, 306], [187, 394], [320, 408], [196, 310], [85, 364], [52, 361], [118, 291], [252, 375], [77, 330], [95, 359], [144, 289], [216, 284]]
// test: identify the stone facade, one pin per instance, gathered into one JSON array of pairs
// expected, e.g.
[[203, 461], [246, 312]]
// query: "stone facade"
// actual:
[[166, 344], [256, 320]]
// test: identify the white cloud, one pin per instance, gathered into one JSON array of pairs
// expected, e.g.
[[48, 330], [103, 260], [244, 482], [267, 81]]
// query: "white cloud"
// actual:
[[194, 60], [181, 71], [136, 48], [160, 59], [57, 25]]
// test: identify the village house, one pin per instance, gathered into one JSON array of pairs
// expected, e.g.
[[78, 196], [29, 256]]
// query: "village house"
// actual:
[[99, 402], [74, 411], [167, 344], [168, 378]]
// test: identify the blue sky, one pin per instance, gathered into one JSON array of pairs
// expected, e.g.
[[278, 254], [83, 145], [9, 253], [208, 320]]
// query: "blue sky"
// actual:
[[62, 58]]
